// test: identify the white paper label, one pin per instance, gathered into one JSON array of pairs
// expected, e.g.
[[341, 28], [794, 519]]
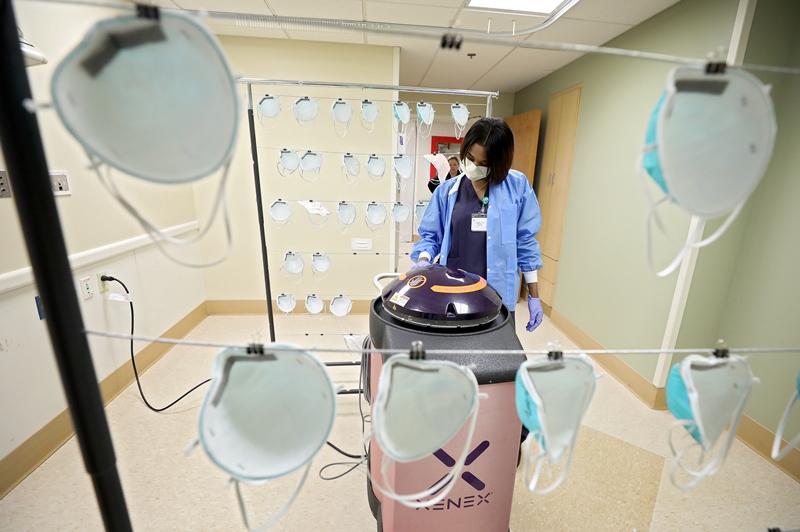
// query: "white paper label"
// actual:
[[126, 298]]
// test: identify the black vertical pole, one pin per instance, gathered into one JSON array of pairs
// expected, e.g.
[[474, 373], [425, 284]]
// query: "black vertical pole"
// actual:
[[260, 205], [27, 172]]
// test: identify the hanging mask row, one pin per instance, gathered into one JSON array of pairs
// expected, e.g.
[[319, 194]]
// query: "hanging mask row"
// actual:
[[306, 109], [375, 213], [309, 163], [339, 306], [293, 265]]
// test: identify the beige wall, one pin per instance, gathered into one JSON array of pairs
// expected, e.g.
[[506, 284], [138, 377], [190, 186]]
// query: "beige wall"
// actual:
[[604, 285]]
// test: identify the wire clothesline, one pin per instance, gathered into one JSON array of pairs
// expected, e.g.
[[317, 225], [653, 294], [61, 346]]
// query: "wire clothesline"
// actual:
[[301, 151], [380, 100], [500, 352]]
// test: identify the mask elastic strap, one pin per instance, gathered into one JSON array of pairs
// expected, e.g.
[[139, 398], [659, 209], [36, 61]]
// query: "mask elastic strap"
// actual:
[[261, 121], [336, 129], [347, 177], [778, 454], [303, 176], [324, 219], [283, 223], [159, 236], [372, 227], [274, 519], [367, 129], [318, 274], [278, 165], [447, 482], [291, 276], [540, 459], [459, 130], [422, 130]]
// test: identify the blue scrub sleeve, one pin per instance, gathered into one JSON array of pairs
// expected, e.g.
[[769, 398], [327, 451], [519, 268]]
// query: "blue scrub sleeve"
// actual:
[[431, 229], [529, 223]]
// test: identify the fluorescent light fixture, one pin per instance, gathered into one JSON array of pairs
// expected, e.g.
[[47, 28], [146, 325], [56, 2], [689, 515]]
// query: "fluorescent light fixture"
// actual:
[[543, 7]]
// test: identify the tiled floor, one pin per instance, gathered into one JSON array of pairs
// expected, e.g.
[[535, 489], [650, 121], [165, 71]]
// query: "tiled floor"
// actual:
[[619, 478]]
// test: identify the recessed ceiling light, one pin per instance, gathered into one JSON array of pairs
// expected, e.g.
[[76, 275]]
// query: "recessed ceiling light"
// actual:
[[544, 7]]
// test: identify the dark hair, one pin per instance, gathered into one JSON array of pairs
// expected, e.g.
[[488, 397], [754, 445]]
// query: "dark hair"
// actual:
[[453, 157], [498, 140]]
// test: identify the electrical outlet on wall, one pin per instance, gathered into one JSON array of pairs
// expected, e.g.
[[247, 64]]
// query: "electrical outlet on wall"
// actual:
[[86, 287], [60, 183], [102, 286], [5, 188]]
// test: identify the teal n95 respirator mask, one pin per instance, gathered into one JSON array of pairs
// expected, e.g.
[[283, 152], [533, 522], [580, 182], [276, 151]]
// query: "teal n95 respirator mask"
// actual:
[[122, 94], [317, 212], [320, 264], [346, 215], [460, 114], [376, 167], [288, 162], [280, 212], [706, 394], [375, 216], [269, 107], [253, 424], [351, 166], [286, 303], [369, 114], [341, 113], [340, 305], [310, 164], [305, 112], [777, 453], [552, 397], [402, 113], [425, 113], [708, 144], [448, 396], [400, 212]]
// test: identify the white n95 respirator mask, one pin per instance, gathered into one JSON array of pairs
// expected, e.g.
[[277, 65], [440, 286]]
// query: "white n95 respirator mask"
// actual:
[[460, 114], [288, 162], [448, 396], [403, 165], [255, 426], [552, 396], [400, 212], [280, 212], [425, 113], [346, 214], [293, 264], [320, 264], [305, 112], [268, 107], [376, 167], [351, 166], [369, 114], [314, 304], [419, 212], [375, 216], [708, 144], [317, 212], [706, 394], [310, 164], [340, 305], [286, 303], [341, 113], [777, 453]]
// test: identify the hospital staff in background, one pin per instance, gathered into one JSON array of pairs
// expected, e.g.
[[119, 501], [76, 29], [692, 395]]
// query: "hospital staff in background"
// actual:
[[487, 223], [454, 171]]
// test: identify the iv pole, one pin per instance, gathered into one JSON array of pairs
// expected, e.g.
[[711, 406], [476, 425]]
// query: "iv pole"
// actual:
[[27, 171]]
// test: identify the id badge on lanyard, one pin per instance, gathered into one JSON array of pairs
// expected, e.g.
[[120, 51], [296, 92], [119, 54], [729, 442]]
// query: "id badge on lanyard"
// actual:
[[479, 219]]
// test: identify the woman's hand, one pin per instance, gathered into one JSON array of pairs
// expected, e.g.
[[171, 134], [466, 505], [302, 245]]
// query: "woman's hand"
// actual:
[[535, 308]]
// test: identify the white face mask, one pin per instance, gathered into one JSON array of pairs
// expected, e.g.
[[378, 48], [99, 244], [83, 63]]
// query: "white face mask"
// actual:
[[425, 114], [419, 212], [346, 214], [288, 162], [474, 173], [448, 396], [310, 164], [376, 166], [342, 113], [269, 107], [552, 398], [706, 394], [403, 166], [293, 263], [340, 305], [460, 114], [248, 424], [305, 110], [286, 303], [317, 212], [320, 264], [708, 144], [280, 211], [777, 453], [369, 114], [149, 128], [314, 304], [400, 212], [376, 216], [351, 166]]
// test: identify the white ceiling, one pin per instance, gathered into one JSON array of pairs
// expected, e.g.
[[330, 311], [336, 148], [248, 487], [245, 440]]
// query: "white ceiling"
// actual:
[[422, 62]]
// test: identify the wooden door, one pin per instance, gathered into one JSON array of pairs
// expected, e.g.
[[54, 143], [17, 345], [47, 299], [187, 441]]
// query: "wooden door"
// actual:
[[548, 163], [525, 127]]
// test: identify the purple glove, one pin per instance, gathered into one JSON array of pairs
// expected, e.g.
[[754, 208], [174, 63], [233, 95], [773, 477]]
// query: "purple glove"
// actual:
[[421, 263], [535, 308]]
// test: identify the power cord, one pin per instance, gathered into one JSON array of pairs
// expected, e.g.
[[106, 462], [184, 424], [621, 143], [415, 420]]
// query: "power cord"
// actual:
[[106, 278]]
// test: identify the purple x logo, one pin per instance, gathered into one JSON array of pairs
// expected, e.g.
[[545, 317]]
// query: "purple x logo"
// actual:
[[468, 477]]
